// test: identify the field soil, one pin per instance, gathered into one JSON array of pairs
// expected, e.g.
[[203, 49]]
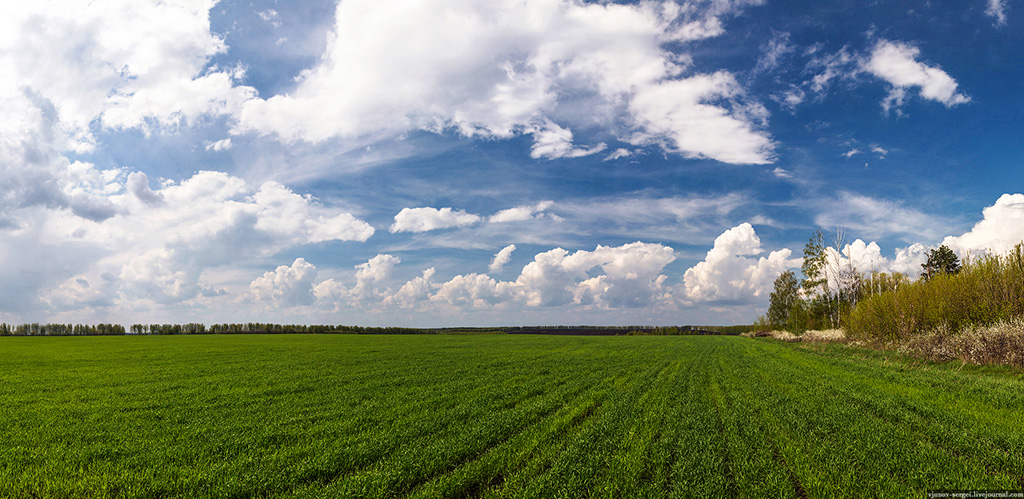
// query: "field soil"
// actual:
[[495, 416]]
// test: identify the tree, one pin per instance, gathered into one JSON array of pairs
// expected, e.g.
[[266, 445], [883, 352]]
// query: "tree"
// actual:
[[941, 260], [813, 267], [783, 300]]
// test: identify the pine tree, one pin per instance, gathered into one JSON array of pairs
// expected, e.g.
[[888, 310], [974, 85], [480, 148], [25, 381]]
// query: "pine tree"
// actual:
[[941, 260]]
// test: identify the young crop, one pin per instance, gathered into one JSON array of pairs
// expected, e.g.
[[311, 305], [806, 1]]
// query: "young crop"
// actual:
[[492, 416]]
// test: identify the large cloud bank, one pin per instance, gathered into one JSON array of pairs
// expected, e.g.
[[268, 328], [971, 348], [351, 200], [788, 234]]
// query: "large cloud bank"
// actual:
[[503, 68]]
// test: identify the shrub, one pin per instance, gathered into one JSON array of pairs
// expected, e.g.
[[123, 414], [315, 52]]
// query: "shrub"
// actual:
[[1000, 343], [985, 291], [827, 335]]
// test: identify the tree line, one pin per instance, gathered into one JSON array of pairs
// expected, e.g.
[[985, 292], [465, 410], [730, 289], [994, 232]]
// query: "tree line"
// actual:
[[36, 329], [832, 286]]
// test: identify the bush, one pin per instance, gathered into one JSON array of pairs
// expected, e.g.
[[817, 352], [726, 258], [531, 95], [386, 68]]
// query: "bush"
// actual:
[[985, 291], [1001, 343]]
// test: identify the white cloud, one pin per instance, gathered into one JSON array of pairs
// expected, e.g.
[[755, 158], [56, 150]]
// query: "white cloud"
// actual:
[[370, 287], [69, 68], [619, 153], [851, 153], [414, 292], [134, 62], [866, 258], [782, 173], [831, 66], [877, 149], [474, 291], [1000, 229], [776, 48], [551, 141], [271, 17], [220, 145], [791, 98], [667, 218], [502, 68], [877, 218], [284, 213], [287, 285], [426, 219], [732, 272], [997, 9], [371, 274], [138, 185], [500, 259], [159, 244], [627, 276], [897, 64], [521, 213], [632, 276], [688, 117]]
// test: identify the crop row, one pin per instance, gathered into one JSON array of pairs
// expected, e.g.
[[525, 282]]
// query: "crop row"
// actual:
[[523, 416]]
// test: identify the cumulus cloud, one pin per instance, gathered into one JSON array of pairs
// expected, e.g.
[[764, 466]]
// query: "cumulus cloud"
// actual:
[[287, 285], [1000, 229], [627, 276], [521, 213], [897, 64], [480, 70], [474, 291], [370, 286], [551, 141], [732, 271], [866, 258], [159, 244], [135, 63], [69, 68], [631, 276], [414, 292], [426, 219], [138, 185], [686, 117], [501, 258]]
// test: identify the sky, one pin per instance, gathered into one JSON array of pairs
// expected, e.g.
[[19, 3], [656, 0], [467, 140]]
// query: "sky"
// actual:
[[510, 162]]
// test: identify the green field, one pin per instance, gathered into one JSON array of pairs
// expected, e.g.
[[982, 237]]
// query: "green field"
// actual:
[[501, 415]]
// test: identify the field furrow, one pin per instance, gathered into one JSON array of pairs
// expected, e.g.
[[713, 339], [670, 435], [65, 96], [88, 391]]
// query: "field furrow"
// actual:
[[494, 416]]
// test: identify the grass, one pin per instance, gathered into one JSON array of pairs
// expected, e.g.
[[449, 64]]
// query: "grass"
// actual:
[[495, 416]]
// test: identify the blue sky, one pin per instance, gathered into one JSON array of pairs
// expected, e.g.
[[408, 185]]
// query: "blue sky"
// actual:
[[462, 163]]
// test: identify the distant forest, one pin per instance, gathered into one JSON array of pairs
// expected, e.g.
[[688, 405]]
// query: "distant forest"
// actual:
[[37, 329]]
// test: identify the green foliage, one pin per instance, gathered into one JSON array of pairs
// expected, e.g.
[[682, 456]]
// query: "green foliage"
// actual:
[[491, 415], [784, 298], [984, 291], [941, 260], [813, 267], [36, 329]]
